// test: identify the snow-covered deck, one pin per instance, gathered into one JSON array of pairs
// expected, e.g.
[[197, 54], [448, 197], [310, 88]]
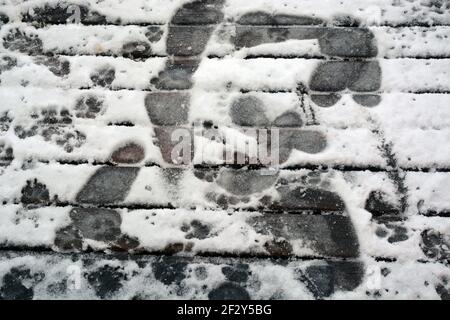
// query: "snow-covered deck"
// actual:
[[96, 201]]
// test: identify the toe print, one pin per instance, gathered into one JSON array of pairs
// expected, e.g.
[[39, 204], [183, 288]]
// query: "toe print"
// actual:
[[332, 77]]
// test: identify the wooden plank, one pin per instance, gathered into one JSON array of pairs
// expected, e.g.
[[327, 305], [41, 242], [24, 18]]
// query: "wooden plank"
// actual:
[[175, 231], [416, 237], [98, 107], [156, 187], [28, 275], [424, 193], [171, 231], [81, 72], [217, 74], [92, 40], [81, 142], [281, 74], [326, 42], [233, 189], [194, 232], [162, 277], [426, 111], [139, 42], [378, 12], [347, 13], [314, 145]]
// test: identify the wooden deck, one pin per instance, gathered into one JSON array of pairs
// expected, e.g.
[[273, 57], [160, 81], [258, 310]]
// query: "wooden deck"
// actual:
[[358, 207]]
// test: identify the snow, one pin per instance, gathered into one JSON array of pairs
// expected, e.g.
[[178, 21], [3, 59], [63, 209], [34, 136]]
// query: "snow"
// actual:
[[412, 118]]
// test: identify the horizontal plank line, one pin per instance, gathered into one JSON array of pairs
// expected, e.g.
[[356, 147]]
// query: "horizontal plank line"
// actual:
[[253, 167], [66, 54], [390, 25], [244, 256], [433, 213], [323, 57], [243, 90], [159, 24], [134, 207], [140, 254], [438, 91], [316, 167]]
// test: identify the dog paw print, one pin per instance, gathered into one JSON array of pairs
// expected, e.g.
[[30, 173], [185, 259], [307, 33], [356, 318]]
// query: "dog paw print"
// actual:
[[435, 245], [67, 138], [58, 66], [27, 215], [107, 280], [170, 271], [25, 132], [103, 76], [89, 106], [196, 230], [35, 193], [6, 154], [391, 229], [54, 126], [18, 40], [5, 122], [19, 283], [154, 33], [4, 19], [7, 63], [136, 50]]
